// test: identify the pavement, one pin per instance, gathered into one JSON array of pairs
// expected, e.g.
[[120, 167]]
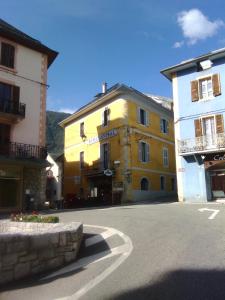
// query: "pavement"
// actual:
[[148, 251]]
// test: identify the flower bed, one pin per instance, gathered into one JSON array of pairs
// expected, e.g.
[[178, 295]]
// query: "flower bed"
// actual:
[[34, 217]]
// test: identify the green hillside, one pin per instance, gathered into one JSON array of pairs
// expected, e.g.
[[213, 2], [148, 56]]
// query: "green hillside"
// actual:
[[54, 133]]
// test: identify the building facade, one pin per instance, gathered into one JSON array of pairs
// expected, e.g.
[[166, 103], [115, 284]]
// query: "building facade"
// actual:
[[199, 111], [23, 82], [120, 148]]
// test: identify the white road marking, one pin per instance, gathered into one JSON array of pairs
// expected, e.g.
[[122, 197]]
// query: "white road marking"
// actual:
[[213, 215], [98, 238], [122, 251]]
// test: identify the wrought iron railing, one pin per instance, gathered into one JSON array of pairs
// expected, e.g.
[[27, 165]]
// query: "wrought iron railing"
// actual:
[[12, 107], [26, 151], [202, 143]]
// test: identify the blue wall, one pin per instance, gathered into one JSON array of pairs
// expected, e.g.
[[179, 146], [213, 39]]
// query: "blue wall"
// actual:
[[196, 182]]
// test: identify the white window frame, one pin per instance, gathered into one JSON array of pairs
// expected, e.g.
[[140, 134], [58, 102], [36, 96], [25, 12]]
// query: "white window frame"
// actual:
[[204, 82], [162, 126], [201, 78], [147, 151], [165, 155]]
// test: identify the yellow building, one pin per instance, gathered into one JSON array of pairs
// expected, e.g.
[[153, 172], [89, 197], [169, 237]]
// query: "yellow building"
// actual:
[[120, 147]]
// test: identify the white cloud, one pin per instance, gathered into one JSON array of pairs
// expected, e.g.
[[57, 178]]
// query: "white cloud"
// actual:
[[196, 26], [178, 44], [67, 110]]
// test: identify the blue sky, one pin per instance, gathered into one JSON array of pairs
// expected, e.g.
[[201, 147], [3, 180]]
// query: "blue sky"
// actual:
[[127, 41]]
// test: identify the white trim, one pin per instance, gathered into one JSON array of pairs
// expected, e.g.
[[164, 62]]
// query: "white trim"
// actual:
[[152, 171], [153, 136], [163, 157]]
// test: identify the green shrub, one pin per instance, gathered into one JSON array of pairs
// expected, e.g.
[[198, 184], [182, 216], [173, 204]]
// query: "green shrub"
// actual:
[[34, 218]]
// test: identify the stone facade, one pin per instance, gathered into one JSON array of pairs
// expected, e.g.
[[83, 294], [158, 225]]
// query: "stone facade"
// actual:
[[31, 248]]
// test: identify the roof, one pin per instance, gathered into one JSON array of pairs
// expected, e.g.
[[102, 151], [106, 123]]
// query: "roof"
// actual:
[[116, 89], [190, 63], [10, 32]]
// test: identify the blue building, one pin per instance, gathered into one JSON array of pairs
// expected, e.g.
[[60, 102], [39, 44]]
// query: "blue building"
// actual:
[[199, 112]]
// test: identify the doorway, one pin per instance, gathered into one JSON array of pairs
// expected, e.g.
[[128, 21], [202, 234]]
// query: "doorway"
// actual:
[[9, 191]]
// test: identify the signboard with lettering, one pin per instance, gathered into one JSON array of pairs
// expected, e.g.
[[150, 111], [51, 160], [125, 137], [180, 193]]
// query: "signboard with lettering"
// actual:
[[214, 159], [103, 136]]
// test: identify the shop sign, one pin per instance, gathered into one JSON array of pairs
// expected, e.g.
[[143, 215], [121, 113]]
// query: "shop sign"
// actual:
[[219, 157], [108, 172], [101, 137]]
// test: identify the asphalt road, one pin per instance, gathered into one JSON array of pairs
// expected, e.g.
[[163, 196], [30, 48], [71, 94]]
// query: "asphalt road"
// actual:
[[166, 251]]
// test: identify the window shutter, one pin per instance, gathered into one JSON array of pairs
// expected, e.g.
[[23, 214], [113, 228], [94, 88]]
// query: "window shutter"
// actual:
[[198, 127], [103, 114], [216, 85], [147, 118], [147, 152], [219, 124], [139, 151], [138, 115], [194, 90], [167, 126]]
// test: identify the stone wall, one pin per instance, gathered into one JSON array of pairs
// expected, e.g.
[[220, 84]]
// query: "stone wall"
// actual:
[[31, 248], [35, 181]]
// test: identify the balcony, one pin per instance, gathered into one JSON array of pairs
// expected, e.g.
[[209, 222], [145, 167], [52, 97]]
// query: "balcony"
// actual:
[[202, 144], [22, 151], [97, 168], [11, 109]]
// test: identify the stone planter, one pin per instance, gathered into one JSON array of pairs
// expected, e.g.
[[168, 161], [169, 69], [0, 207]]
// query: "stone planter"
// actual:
[[31, 248]]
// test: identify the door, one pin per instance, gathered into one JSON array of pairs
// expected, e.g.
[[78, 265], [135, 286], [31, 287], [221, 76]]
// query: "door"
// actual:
[[9, 189], [209, 132], [4, 139]]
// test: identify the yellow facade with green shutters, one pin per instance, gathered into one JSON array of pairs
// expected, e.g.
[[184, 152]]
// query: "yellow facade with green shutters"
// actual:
[[119, 149]]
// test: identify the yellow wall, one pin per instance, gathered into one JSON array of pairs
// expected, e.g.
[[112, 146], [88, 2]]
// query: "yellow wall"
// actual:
[[123, 146]]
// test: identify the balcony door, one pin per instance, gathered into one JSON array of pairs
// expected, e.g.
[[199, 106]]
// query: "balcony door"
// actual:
[[4, 139], [209, 131]]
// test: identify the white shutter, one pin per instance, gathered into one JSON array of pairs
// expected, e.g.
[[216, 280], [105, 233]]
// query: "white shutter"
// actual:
[[167, 127], [138, 115], [139, 151], [161, 125], [147, 152], [103, 118], [147, 118]]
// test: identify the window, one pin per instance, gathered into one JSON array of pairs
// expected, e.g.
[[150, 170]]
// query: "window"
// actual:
[[82, 159], [144, 184], [7, 55], [143, 117], [143, 152], [165, 157], [173, 184], [82, 129], [105, 117], [162, 183], [9, 98], [4, 139], [205, 88], [105, 155], [164, 126]]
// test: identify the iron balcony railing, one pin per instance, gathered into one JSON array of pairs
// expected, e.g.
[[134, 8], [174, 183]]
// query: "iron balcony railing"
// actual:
[[203, 143], [26, 151], [12, 107]]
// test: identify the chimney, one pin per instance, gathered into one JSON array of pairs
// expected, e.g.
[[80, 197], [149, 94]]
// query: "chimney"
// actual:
[[104, 87]]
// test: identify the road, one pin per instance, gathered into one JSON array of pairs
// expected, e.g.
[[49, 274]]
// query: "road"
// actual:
[[150, 251]]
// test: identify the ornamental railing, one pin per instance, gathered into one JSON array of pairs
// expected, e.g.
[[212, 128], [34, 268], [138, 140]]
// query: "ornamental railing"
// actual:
[[23, 151], [203, 143], [12, 107]]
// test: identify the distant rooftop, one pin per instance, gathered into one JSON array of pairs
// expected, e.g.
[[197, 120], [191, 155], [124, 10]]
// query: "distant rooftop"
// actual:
[[12, 33], [189, 63]]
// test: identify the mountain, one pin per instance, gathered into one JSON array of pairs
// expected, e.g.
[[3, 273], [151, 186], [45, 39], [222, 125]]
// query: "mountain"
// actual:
[[55, 133]]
